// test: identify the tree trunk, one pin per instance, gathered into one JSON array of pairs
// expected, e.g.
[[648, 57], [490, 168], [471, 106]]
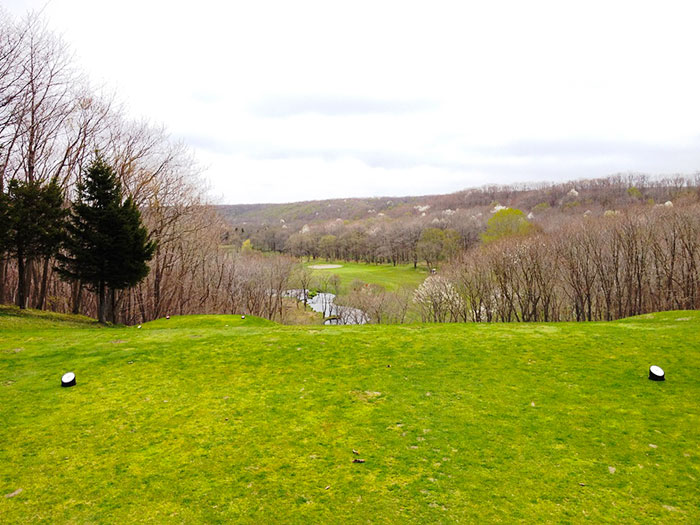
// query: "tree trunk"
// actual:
[[21, 280], [3, 277], [44, 283], [101, 303], [112, 307], [33, 277], [77, 297], [109, 314]]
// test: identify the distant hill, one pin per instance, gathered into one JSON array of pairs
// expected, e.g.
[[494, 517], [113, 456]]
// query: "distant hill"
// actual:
[[346, 209], [540, 200]]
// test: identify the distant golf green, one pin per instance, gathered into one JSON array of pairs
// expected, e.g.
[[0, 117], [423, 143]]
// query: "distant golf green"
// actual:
[[218, 419], [386, 275]]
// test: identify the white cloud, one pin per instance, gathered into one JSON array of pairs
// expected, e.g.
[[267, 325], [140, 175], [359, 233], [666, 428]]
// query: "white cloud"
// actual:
[[300, 100]]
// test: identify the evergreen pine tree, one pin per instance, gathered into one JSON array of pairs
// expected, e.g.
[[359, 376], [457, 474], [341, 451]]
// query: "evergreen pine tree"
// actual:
[[35, 218], [107, 246]]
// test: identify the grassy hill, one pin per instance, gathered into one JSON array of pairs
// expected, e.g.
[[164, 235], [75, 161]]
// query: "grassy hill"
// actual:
[[219, 419], [613, 192], [350, 209]]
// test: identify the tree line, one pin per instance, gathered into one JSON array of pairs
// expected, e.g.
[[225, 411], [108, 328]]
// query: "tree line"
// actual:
[[642, 260], [605, 268], [433, 233]]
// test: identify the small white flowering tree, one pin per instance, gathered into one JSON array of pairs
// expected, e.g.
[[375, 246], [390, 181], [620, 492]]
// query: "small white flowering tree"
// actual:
[[438, 300]]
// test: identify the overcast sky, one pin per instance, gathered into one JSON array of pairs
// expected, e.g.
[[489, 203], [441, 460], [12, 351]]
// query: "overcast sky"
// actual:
[[295, 100]]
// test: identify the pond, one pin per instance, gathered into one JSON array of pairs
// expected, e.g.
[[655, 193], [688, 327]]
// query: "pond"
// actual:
[[324, 303]]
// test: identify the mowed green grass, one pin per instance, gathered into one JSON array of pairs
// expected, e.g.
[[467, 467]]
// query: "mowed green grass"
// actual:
[[390, 277], [219, 419]]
